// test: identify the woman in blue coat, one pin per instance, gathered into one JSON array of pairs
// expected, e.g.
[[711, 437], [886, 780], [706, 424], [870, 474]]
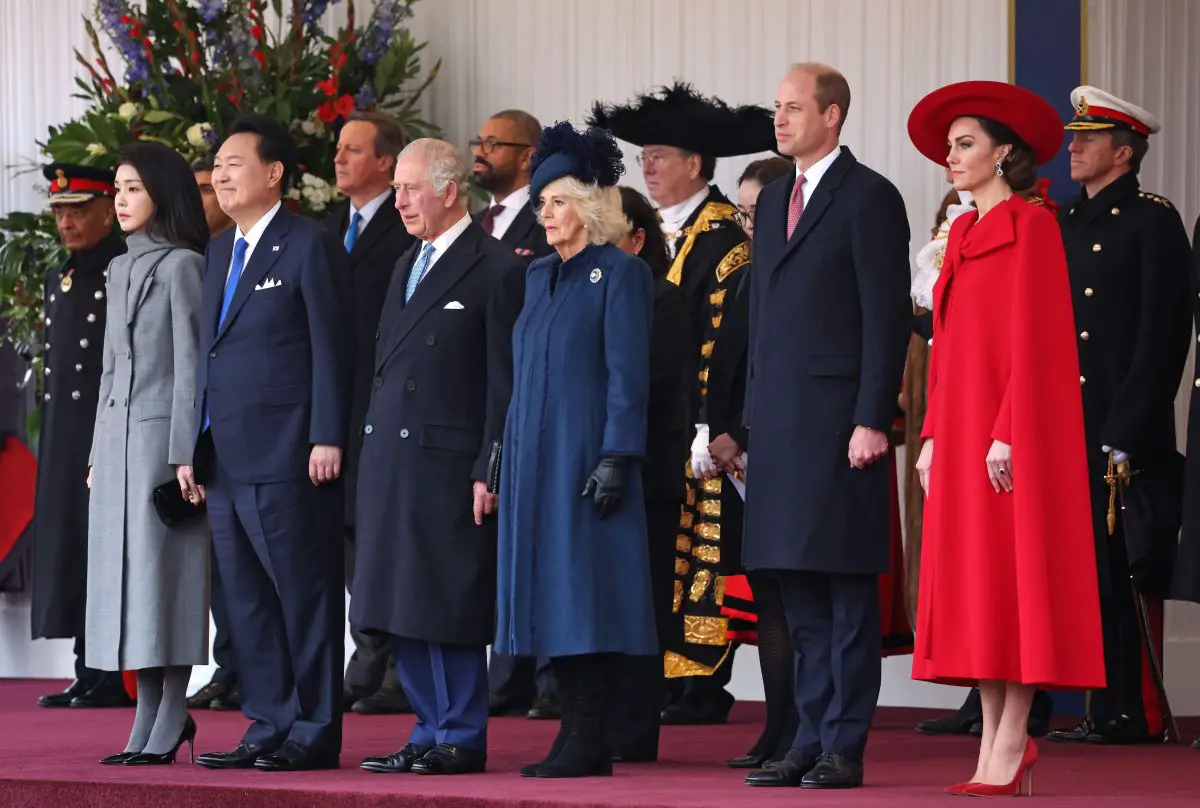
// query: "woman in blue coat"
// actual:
[[574, 579]]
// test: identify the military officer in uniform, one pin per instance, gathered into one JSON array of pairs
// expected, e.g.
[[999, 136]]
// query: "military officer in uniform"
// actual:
[[1128, 255], [82, 200], [682, 134]]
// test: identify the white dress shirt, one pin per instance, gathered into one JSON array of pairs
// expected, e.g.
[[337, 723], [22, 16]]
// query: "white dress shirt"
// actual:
[[815, 172], [368, 211], [252, 237], [674, 216], [511, 206], [444, 241]]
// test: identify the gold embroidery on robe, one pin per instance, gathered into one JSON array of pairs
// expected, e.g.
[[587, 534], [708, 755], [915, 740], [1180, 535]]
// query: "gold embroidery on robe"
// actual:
[[678, 598], [683, 544], [705, 630], [711, 507], [682, 566], [709, 531], [716, 321], [699, 585], [707, 348], [719, 591], [734, 260], [711, 213], [717, 298], [685, 520], [708, 553], [712, 486]]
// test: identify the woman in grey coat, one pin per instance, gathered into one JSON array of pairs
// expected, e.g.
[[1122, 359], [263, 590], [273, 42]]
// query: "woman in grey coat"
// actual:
[[147, 585]]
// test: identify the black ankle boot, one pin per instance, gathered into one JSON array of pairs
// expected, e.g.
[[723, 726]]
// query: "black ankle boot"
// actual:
[[566, 699], [585, 751]]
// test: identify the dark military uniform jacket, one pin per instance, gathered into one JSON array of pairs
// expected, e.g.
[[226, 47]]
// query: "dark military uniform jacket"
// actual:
[[711, 253], [73, 353], [1127, 255]]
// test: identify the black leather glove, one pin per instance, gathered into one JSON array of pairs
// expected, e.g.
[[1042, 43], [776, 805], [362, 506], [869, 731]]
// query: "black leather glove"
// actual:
[[606, 485]]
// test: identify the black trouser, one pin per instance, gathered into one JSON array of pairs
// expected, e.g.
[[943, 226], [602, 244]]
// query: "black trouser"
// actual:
[[517, 681], [222, 651], [90, 677], [371, 665]]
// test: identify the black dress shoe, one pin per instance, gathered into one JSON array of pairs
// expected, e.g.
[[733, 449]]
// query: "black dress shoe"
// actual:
[[747, 762], [241, 758], [1076, 734], [788, 773], [398, 762], [545, 708], [202, 698], [292, 757], [230, 701], [1122, 731], [109, 692], [387, 701], [63, 699], [957, 724], [498, 706], [834, 771], [690, 713], [447, 759]]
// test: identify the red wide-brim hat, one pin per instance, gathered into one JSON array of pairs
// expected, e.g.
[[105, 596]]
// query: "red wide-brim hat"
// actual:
[[1025, 112]]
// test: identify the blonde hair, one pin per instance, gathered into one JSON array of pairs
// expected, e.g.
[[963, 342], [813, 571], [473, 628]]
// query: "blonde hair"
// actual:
[[599, 209]]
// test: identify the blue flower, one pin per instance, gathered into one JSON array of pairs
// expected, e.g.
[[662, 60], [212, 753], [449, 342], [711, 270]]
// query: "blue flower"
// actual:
[[211, 9], [365, 97], [137, 63], [382, 28]]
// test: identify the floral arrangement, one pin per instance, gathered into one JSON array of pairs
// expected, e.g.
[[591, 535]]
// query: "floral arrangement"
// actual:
[[190, 68]]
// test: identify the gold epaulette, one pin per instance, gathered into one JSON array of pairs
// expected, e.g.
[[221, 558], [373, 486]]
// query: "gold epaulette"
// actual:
[[713, 216], [734, 260], [1162, 200]]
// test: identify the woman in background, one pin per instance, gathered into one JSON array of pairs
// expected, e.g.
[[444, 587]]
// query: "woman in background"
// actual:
[[147, 591]]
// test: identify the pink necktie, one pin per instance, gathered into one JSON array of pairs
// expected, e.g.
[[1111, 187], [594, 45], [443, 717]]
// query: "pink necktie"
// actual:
[[796, 205]]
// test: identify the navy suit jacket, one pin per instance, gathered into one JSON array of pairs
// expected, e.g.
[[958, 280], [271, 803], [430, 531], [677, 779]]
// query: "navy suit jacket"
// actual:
[[275, 376]]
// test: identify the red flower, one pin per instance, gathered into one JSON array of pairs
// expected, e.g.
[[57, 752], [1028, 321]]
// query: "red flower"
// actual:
[[329, 86], [262, 59], [344, 106], [330, 111], [257, 32]]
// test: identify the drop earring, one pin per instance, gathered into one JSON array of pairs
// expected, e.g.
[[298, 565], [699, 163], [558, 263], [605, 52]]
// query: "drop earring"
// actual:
[[999, 168]]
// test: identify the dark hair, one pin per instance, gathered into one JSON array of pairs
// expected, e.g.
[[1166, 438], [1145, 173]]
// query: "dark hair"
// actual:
[[389, 135], [1020, 166], [1140, 144], [528, 128], [767, 170], [204, 164], [641, 215], [178, 216], [275, 144]]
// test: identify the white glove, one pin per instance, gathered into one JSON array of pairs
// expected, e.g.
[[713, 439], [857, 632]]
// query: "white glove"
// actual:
[[703, 467], [1118, 456]]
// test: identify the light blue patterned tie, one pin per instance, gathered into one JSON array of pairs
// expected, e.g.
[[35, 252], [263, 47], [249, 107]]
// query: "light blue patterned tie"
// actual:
[[418, 271], [231, 283], [352, 231]]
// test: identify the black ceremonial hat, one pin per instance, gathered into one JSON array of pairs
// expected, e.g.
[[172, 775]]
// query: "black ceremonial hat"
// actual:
[[679, 116], [72, 184]]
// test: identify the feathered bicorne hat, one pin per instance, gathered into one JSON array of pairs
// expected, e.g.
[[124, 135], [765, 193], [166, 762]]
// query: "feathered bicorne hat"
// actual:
[[591, 156], [679, 116]]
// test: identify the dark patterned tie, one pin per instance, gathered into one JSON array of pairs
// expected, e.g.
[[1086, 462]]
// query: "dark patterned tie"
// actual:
[[489, 218], [796, 205]]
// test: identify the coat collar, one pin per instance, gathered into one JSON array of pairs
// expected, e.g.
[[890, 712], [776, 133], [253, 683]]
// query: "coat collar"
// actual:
[[1086, 209], [821, 200], [145, 256], [994, 231], [271, 245], [382, 223]]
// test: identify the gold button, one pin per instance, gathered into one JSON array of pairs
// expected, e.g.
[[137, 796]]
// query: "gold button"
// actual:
[[1115, 211], [1083, 379], [1085, 336], [1095, 248], [1088, 292]]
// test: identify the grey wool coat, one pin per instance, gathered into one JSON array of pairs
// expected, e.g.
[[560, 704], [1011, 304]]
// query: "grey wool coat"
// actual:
[[147, 585]]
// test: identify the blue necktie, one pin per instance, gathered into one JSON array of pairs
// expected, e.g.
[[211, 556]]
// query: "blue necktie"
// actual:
[[352, 230], [235, 274], [418, 272]]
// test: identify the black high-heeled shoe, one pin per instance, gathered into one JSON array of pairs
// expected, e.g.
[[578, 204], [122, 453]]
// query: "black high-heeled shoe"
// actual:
[[117, 760], [150, 759]]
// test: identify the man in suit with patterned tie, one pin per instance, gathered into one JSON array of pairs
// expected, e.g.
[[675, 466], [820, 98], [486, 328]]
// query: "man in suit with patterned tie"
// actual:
[[502, 152], [369, 227], [830, 318], [272, 407], [426, 568]]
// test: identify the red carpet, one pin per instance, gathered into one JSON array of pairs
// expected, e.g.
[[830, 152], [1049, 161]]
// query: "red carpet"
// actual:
[[48, 760]]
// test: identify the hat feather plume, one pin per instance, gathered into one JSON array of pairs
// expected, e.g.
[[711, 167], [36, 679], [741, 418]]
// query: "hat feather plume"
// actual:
[[597, 153]]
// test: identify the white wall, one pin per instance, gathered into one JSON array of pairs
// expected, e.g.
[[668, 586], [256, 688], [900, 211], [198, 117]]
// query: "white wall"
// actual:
[[554, 57]]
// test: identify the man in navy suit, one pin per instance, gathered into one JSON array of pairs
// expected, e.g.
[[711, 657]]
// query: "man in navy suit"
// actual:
[[829, 322], [272, 407]]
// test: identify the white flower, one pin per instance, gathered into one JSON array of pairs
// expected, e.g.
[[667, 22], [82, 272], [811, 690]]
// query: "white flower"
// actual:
[[310, 127], [308, 180], [96, 149], [129, 110], [294, 193], [196, 135]]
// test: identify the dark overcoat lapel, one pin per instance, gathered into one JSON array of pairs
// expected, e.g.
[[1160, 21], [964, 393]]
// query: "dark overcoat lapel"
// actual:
[[271, 245], [821, 200]]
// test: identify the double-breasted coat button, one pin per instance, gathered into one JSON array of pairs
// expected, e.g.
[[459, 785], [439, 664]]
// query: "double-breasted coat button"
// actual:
[[377, 382], [47, 371], [99, 295], [111, 402], [52, 298], [83, 343], [1116, 211], [1095, 248], [1085, 336], [1082, 380], [78, 368], [212, 354], [410, 385], [91, 318], [1088, 292], [404, 433], [47, 321], [47, 346], [1197, 384], [430, 340], [368, 429], [75, 394]]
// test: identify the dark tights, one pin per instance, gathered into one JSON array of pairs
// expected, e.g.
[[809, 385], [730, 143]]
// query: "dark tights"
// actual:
[[777, 658]]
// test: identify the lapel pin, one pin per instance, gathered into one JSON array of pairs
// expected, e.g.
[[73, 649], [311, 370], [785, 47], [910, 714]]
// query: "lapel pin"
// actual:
[[596, 275], [275, 248]]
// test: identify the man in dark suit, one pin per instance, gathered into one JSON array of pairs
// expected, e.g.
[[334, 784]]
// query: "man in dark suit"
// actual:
[[369, 227], [830, 317], [502, 153], [272, 405], [426, 567]]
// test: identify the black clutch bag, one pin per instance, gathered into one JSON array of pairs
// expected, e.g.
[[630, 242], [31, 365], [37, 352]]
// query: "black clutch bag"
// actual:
[[173, 510]]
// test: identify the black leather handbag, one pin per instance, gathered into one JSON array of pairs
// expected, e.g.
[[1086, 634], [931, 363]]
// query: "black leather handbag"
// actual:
[[173, 510]]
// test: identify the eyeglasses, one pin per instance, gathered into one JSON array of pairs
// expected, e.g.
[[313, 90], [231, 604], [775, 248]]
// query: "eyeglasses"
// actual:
[[489, 145], [743, 217]]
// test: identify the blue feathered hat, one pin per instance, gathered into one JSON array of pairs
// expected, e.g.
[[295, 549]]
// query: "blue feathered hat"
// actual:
[[591, 156]]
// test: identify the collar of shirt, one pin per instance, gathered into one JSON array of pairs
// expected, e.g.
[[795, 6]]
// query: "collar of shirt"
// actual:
[[445, 240], [674, 217], [815, 172], [368, 210], [253, 236], [511, 206]]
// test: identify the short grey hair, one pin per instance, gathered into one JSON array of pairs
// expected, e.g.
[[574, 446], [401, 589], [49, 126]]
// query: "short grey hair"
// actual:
[[599, 209], [446, 163]]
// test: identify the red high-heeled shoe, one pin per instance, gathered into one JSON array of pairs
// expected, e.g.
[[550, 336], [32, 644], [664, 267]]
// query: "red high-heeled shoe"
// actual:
[[960, 789], [1013, 789]]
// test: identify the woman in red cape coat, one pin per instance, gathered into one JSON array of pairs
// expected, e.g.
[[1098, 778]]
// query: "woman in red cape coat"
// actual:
[[1008, 596]]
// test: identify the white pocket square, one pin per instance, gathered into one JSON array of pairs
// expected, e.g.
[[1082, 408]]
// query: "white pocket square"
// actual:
[[454, 304], [269, 283]]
